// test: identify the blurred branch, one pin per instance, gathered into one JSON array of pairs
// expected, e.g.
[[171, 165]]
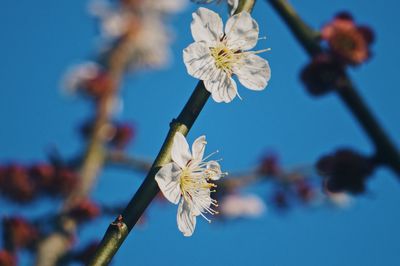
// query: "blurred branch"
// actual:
[[386, 152], [120, 228], [52, 248], [234, 181], [120, 159]]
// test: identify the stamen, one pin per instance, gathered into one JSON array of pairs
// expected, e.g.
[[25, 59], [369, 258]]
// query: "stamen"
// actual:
[[211, 154], [257, 52]]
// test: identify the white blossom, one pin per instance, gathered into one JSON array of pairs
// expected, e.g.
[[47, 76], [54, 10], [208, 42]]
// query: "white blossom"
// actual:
[[232, 4], [164, 6], [78, 75], [186, 180], [151, 46], [340, 199], [216, 56], [143, 24], [238, 206]]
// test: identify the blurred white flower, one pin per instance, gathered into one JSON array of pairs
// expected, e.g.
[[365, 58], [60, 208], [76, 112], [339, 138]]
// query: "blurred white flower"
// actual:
[[116, 24], [151, 46], [215, 56], [164, 6], [239, 206], [340, 199], [186, 178], [78, 75], [114, 21], [143, 23], [232, 4]]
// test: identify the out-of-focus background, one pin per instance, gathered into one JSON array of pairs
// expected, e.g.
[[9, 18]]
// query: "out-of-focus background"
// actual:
[[40, 40]]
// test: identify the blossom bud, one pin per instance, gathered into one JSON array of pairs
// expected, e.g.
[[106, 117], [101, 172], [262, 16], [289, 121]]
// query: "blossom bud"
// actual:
[[65, 181], [322, 75], [43, 175], [345, 170], [17, 185], [90, 79], [124, 133], [304, 191], [84, 210], [7, 259], [347, 41], [269, 165], [99, 86], [19, 233]]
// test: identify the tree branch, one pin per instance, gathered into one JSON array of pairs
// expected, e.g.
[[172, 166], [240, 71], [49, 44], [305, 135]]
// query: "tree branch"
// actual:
[[120, 228], [386, 151], [56, 245]]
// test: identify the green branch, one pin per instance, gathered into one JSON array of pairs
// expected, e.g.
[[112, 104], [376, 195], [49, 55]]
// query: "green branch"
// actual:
[[386, 151], [120, 228]]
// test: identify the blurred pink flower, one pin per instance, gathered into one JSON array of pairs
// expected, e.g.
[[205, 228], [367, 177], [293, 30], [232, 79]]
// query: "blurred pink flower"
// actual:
[[7, 258], [349, 42]]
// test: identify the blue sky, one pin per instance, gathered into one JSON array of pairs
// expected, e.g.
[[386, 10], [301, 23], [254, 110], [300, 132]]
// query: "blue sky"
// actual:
[[41, 39]]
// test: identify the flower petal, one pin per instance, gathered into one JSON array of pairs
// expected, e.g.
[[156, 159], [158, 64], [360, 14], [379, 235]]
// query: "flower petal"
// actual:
[[214, 170], [206, 26], [198, 60], [185, 219], [167, 179], [198, 147], [253, 72], [201, 202], [222, 87], [241, 32], [232, 6], [180, 150]]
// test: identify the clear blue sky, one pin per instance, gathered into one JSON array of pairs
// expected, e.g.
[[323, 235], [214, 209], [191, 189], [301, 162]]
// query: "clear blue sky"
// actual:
[[40, 39]]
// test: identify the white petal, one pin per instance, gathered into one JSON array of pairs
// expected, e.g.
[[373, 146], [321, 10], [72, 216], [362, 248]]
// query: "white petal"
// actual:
[[202, 200], [164, 6], [241, 32], [214, 170], [79, 74], [198, 60], [185, 219], [206, 26], [167, 179], [237, 206], [253, 72], [198, 147], [115, 24], [232, 6], [180, 150], [222, 87]]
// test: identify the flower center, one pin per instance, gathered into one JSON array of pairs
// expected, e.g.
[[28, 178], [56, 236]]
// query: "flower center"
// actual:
[[196, 190], [224, 57], [190, 184], [351, 45]]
